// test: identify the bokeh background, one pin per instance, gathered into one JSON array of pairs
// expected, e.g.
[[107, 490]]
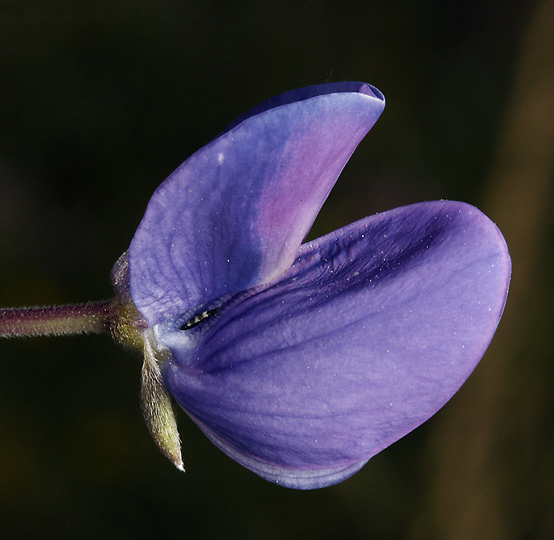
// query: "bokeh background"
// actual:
[[100, 101]]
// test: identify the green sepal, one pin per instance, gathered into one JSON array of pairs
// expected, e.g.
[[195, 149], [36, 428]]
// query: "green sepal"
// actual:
[[157, 408]]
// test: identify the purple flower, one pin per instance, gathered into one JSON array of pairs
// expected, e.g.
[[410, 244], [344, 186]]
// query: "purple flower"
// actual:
[[301, 362]]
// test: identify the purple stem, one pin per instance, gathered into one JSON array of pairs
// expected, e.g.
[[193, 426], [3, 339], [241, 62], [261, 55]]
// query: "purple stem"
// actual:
[[66, 320]]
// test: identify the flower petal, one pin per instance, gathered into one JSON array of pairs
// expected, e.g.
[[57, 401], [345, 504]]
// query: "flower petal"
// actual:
[[235, 213], [367, 335]]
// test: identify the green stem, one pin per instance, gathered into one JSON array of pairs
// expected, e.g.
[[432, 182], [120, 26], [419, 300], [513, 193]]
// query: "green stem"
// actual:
[[93, 317]]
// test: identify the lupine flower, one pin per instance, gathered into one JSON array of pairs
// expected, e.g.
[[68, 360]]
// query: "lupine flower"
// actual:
[[301, 362]]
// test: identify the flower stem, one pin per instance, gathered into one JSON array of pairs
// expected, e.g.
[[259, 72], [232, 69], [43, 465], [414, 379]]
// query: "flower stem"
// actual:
[[93, 317]]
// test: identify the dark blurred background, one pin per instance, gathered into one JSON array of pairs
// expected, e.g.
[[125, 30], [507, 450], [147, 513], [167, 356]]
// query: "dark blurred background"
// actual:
[[100, 102]]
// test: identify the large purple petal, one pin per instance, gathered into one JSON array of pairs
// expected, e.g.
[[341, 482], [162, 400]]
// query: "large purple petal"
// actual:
[[366, 336], [235, 213]]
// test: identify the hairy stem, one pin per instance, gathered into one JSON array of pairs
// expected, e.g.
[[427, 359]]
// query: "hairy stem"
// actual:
[[93, 317]]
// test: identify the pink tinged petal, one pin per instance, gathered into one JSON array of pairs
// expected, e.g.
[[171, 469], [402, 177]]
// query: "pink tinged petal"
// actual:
[[367, 335], [235, 213]]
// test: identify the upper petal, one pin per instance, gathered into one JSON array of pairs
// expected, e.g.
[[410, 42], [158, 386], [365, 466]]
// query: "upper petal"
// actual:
[[366, 336], [235, 213]]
